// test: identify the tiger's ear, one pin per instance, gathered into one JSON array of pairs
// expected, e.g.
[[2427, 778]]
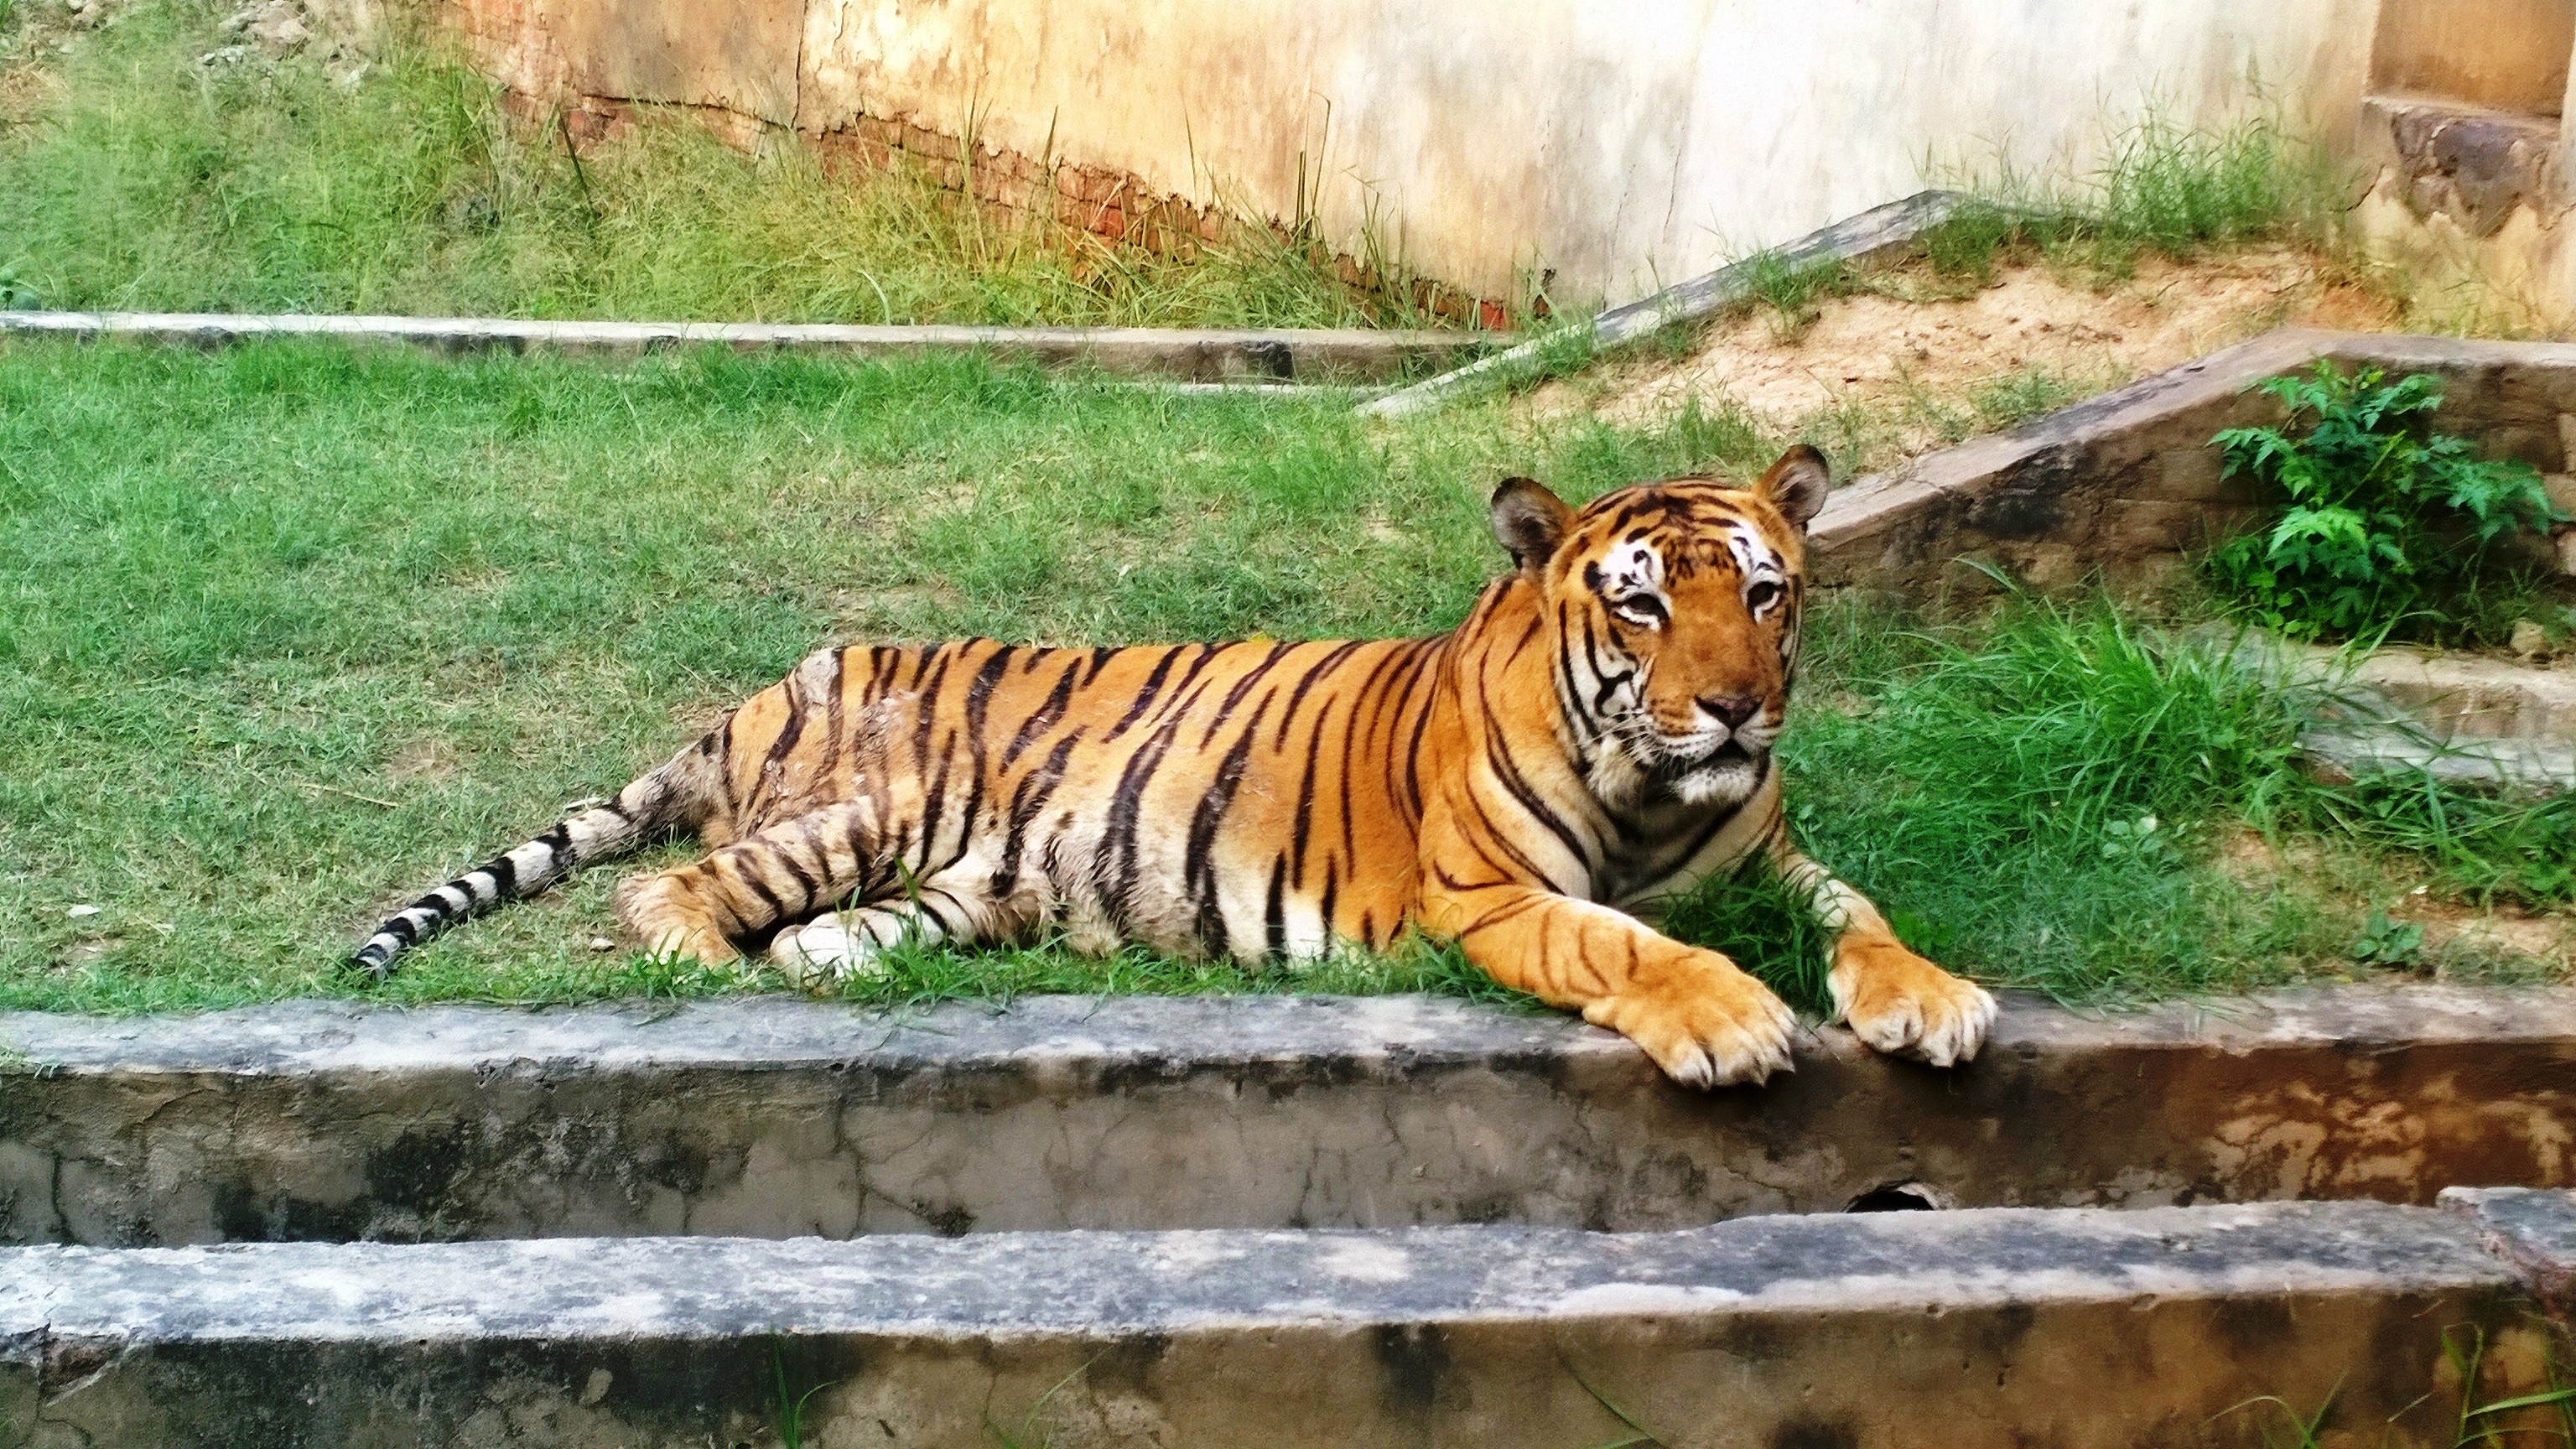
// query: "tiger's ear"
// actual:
[[1796, 485], [1529, 522]]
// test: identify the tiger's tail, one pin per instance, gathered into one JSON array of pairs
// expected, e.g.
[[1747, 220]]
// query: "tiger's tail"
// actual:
[[678, 797]]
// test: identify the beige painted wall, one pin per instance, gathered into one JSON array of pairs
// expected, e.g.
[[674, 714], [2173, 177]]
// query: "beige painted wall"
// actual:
[[1619, 144], [1616, 143], [2509, 54]]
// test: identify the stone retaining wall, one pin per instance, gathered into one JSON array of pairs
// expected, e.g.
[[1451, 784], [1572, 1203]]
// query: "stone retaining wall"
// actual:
[[773, 1117], [2127, 483]]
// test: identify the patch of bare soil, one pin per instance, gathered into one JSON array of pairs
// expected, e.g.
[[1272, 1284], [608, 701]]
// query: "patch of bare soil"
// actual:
[[1921, 352], [2499, 930], [27, 91], [2452, 929]]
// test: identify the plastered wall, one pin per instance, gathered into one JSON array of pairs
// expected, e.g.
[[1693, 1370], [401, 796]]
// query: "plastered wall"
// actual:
[[1483, 143]]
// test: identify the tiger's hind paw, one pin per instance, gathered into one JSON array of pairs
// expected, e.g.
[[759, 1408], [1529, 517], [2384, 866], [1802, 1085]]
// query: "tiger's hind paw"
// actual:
[[819, 955], [679, 943], [659, 911]]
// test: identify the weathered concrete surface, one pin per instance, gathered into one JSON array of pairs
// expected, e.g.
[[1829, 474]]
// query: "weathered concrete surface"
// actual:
[[2470, 697], [1916, 1330], [777, 1117], [2344, 752], [2127, 482], [2534, 1230], [1196, 354], [2510, 54], [2462, 719], [2462, 152]]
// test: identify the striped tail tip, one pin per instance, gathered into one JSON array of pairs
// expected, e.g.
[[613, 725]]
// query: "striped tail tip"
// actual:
[[376, 958]]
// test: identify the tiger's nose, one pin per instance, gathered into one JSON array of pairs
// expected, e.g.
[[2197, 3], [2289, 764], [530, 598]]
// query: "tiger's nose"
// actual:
[[1732, 710]]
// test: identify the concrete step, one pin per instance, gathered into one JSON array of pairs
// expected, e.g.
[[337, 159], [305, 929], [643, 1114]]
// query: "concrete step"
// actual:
[[2461, 696], [2462, 719], [2070, 1327], [2344, 752], [777, 1117]]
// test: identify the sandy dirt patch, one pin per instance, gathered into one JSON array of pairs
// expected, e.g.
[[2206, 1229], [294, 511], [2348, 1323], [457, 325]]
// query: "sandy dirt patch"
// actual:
[[1921, 352]]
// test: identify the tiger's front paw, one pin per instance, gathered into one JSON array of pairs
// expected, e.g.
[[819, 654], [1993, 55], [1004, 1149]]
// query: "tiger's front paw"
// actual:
[[1903, 1005], [1706, 1023]]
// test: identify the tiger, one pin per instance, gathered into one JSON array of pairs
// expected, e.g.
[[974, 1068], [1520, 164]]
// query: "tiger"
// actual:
[[1594, 740]]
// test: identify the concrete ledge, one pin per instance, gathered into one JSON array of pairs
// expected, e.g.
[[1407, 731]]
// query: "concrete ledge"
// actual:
[[2534, 1230], [2127, 482], [1913, 1329], [1196, 354], [1874, 232], [2344, 752], [2462, 720], [2463, 696], [775, 1117]]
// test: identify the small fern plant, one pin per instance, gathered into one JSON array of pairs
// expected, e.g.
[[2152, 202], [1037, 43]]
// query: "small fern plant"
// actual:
[[2384, 524]]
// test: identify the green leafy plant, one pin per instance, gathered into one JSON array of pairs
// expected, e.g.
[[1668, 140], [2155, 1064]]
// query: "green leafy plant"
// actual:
[[2384, 524], [2143, 839], [2386, 942]]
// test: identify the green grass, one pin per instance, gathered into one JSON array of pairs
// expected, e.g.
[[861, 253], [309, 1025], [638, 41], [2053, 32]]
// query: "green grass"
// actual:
[[2159, 186], [1795, 291], [2038, 796], [154, 182], [293, 631]]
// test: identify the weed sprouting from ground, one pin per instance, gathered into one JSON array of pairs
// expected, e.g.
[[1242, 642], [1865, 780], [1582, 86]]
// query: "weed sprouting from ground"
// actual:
[[1793, 290], [1972, 241], [790, 1405], [2017, 397], [2271, 1412], [2484, 1423], [2175, 188], [153, 181]]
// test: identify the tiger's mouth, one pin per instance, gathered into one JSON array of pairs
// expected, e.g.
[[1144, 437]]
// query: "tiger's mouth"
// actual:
[[1697, 754]]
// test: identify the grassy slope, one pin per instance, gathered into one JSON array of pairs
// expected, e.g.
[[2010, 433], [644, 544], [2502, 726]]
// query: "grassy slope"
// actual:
[[294, 631], [139, 178]]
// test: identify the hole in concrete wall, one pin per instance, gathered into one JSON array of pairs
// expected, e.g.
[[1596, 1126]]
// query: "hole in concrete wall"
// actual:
[[2508, 54], [1898, 1197]]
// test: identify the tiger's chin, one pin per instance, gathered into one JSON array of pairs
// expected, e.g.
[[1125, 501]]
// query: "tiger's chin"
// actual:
[[1726, 775]]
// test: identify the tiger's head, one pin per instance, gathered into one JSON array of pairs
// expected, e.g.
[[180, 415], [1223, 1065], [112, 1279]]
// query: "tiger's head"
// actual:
[[1674, 613]]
